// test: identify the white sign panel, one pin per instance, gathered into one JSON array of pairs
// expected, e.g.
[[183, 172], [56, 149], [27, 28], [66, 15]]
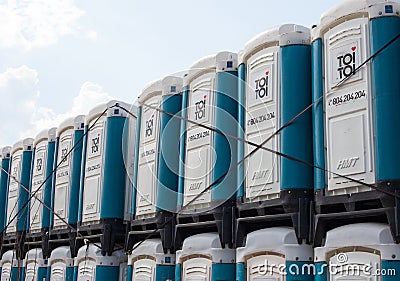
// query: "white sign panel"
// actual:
[[92, 191], [265, 268], [262, 169], [63, 178], [197, 269], [32, 271], [6, 271], [87, 270], [144, 269], [148, 153], [13, 190], [355, 265], [199, 157], [38, 178], [58, 271], [348, 107]]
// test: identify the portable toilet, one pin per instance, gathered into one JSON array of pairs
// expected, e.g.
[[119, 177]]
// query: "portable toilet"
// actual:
[[41, 186], [157, 164], [5, 157], [103, 204], [207, 167], [12, 269], [65, 198], [18, 194], [275, 88], [35, 266], [149, 262], [203, 258], [61, 264], [362, 251], [91, 265], [274, 254], [355, 63]]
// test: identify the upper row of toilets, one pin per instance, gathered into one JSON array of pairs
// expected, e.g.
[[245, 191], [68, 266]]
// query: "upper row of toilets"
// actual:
[[323, 103]]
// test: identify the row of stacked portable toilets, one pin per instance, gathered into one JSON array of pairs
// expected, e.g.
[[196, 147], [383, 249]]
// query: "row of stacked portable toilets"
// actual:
[[213, 200]]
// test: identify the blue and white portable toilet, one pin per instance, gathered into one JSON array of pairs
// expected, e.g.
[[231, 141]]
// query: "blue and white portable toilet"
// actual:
[[157, 165], [274, 87], [356, 112], [203, 258], [12, 269], [104, 191], [149, 262], [274, 254], [65, 197], [36, 268], [61, 264], [209, 100], [5, 158], [18, 194], [363, 251], [42, 185], [91, 265]]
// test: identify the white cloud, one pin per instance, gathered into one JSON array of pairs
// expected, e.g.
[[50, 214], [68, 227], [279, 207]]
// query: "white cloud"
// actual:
[[20, 111], [37, 23], [90, 94]]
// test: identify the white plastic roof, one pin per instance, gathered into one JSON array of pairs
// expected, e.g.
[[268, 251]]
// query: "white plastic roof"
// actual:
[[283, 35], [371, 235], [71, 123], [207, 244], [153, 248], [374, 8], [281, 240], [94, 252], [215, 62]]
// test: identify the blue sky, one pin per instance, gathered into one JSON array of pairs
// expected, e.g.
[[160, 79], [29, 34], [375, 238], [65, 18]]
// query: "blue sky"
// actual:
[[61, 57]]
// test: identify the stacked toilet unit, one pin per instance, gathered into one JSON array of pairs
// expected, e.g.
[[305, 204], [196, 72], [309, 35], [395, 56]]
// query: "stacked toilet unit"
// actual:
[[12, 268], [90, 264], [206, 202], [149, 262], [61, 264], [356, 63], [202, 257], [5, 157], [17, 215], [66, 178], [36, 268], [157, 163], [275, 191], [104, 190], [41, 187]]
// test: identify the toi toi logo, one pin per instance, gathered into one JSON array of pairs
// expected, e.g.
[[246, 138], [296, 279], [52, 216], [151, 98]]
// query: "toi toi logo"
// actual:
[[64, 153], [39, 164], [149, 127], [200, 112], [95, 144], [347, 63], [262, 86]]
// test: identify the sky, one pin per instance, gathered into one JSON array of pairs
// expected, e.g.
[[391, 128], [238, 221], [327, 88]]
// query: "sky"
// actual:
[[60, 58]]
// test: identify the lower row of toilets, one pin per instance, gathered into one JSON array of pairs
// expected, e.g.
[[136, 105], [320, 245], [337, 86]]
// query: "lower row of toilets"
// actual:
[[364, 251]]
